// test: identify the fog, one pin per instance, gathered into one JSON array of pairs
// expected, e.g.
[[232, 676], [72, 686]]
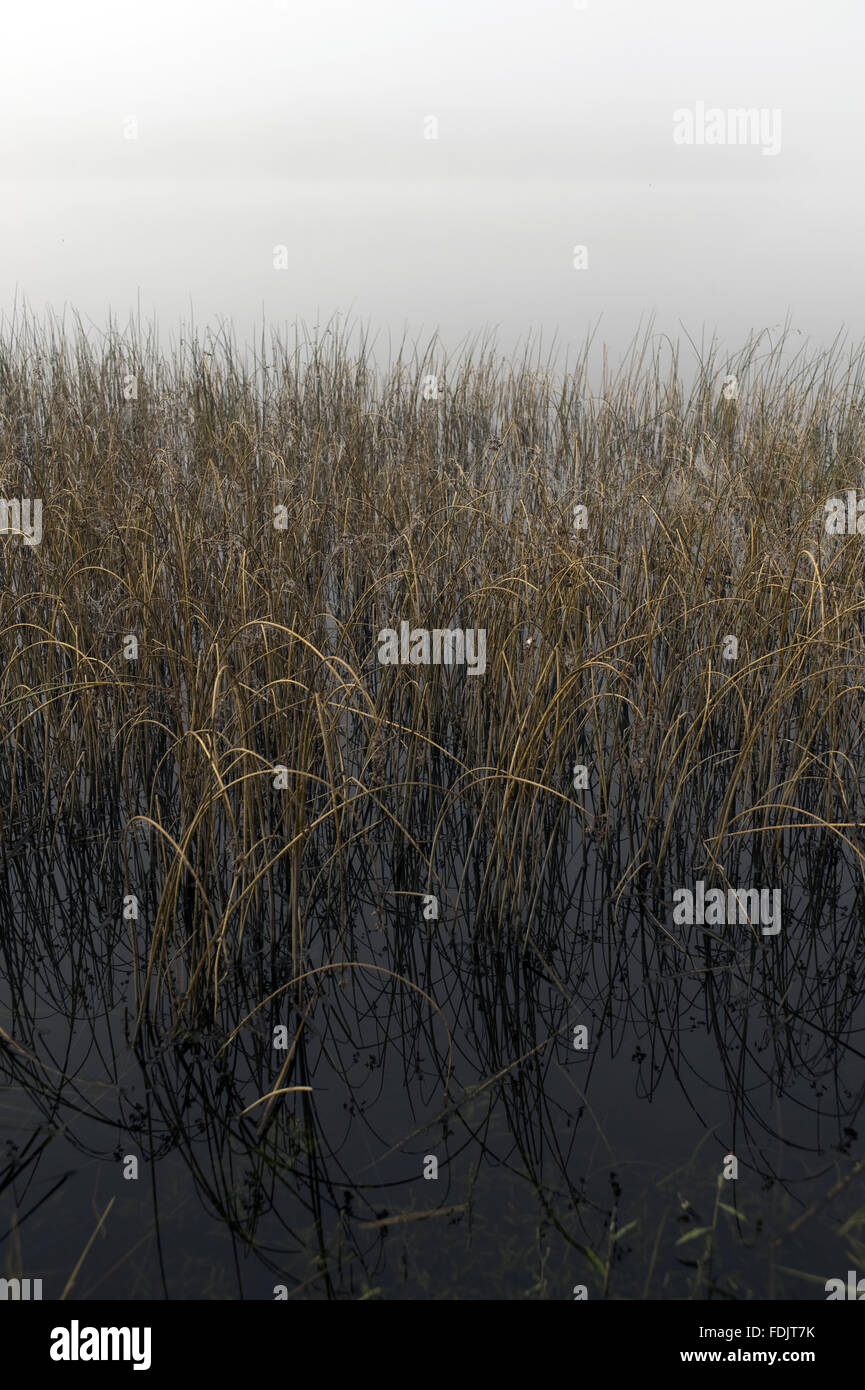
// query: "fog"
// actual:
[[434, 167]]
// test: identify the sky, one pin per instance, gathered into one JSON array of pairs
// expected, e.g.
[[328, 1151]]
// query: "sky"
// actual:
[[435, 167]]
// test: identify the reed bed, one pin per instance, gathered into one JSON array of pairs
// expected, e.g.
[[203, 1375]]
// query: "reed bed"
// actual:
[[258, 645], [249, 818]]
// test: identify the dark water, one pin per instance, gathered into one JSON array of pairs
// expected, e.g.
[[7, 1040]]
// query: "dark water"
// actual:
[[450, 1039]]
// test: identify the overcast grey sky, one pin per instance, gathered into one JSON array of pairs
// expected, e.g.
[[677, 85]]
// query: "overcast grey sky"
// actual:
[[301, 123]]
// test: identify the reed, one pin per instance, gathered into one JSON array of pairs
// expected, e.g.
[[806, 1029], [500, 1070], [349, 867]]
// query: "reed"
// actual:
[[258, 650]]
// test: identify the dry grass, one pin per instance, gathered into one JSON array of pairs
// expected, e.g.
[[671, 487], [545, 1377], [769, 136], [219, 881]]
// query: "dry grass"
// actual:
[[257, 646]]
